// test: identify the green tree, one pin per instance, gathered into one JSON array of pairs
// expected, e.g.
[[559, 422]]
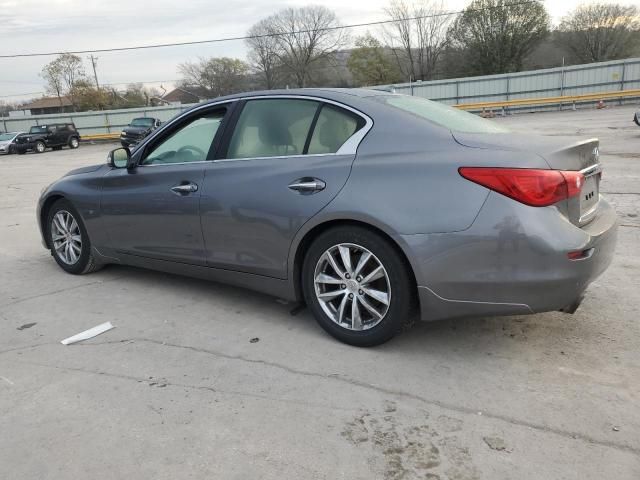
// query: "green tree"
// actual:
[[369, 63], [497, 35], [88, 97], [600, 32], [218, 76]]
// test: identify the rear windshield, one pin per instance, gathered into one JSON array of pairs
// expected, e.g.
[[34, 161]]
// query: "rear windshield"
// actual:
[[142, 122], [443, 115]]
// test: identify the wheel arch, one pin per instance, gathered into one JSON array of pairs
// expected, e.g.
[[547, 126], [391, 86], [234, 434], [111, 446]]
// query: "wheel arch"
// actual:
[[304, 243], [44, 213]]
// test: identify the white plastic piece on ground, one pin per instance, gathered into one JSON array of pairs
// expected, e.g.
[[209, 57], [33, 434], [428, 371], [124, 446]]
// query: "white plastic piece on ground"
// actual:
[[87, 334]]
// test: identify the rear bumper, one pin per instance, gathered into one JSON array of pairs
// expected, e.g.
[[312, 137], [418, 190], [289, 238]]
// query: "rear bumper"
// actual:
[[511, 261]]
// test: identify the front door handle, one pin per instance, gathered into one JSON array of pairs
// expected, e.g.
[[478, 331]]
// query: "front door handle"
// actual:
[[185, 188], [307, 185]]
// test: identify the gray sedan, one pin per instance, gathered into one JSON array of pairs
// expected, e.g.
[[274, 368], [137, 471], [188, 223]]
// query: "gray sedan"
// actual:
[[7, 142], [367, 206]]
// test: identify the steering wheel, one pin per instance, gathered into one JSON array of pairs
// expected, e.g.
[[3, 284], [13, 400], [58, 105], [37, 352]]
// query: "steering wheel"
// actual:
[[190, 149]]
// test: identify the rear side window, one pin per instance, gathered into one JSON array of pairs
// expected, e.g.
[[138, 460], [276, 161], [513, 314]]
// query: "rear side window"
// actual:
[[443, 115], [272, 128], [333, 127]]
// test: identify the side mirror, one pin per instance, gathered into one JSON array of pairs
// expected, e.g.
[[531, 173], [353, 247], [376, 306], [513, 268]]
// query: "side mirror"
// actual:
[[119, 158]]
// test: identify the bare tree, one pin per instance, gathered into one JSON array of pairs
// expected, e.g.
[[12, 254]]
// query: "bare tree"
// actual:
[[263, 52], [418, 35], [302, 37], [217, 76], [62, 74], [52, 75], [599, 32]]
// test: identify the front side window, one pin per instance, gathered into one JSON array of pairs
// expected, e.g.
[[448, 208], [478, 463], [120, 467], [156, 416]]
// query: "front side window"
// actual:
[[272, 128], [333, 127], [38, 129], [190, 143]]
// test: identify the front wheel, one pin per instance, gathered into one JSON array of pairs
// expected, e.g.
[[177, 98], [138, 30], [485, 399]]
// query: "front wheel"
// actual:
[[68, 239], [40, 147], [358, 286]]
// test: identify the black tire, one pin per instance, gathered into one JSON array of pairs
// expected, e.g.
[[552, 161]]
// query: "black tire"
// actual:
[[86, 262], [39, 147], [402, 286], [74, 142]]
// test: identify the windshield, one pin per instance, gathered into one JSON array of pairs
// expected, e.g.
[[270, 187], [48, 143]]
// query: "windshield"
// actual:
[[39, 129], [443, 115], [6, 136], [142, 122]]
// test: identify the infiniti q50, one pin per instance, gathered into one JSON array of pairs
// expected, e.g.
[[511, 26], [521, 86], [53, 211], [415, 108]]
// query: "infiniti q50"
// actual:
[[367, 206]]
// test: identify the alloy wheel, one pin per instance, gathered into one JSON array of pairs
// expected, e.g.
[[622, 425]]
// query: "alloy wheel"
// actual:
[[66, 237], [74, 143], [352, 286], [40, 147]]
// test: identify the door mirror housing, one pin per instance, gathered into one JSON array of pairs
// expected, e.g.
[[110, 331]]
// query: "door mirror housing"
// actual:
[[120, 158]]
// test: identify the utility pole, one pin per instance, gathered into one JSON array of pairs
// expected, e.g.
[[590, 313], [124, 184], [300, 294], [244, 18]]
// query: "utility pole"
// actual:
[[94, 61]]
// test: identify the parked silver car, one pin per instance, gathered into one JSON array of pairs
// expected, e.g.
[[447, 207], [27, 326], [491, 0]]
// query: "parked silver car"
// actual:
[[365, 205], [7, 142]]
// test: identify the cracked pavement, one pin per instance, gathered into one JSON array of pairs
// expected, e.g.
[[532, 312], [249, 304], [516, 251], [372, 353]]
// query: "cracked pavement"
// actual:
[[179, 390]]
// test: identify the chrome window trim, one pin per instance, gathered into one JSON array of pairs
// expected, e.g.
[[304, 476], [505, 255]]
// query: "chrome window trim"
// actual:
[[350, 147]]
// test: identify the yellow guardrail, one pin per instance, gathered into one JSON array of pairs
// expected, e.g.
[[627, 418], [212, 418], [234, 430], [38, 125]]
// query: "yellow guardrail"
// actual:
[[569, 99], [100, 136]]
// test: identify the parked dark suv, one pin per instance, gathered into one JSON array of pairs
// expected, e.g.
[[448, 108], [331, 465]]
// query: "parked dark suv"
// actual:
[[138, 129], [53, 135]]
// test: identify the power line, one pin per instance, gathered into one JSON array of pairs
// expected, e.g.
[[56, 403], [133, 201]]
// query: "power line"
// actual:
[[248, 37]]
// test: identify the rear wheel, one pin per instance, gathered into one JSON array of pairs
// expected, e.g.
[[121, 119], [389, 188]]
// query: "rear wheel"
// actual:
[[74, 142], [40, 147], [68, 239], [358, 286]]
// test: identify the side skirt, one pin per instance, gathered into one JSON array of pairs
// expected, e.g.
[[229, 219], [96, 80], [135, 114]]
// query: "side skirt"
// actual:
[[259, 283]]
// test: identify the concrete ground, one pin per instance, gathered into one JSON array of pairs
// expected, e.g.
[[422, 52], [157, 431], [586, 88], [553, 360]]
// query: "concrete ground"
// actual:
[[180, 390]]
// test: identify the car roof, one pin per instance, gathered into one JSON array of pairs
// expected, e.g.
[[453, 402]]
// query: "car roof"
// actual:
[[337, 94]]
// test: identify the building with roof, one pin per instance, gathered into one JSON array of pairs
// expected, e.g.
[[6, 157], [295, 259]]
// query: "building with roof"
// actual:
[[45, 105]]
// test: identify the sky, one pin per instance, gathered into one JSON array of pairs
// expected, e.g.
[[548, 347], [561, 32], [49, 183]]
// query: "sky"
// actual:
[[61, 25]]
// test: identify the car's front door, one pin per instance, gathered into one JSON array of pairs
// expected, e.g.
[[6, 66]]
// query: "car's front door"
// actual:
[[281, 164], [154, 210]]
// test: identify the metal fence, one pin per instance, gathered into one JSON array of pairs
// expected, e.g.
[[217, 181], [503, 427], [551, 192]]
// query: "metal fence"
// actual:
[[551, 82], [91, 123]]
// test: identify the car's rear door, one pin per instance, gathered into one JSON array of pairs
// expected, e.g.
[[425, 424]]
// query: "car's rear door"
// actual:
[[280, 164], [154, 210]]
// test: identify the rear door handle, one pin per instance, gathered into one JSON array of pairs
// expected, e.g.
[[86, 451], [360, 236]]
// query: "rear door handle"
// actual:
[[307, 185], [185, 188]]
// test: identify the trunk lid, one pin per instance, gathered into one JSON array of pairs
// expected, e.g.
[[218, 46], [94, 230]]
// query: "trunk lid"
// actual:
[[560, 153]]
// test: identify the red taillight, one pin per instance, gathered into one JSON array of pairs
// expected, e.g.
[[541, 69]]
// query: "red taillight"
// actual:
[[534, 187]]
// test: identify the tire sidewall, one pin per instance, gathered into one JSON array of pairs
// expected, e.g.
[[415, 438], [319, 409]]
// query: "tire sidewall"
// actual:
[[85, 252], [35, 147], [401, 288]]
